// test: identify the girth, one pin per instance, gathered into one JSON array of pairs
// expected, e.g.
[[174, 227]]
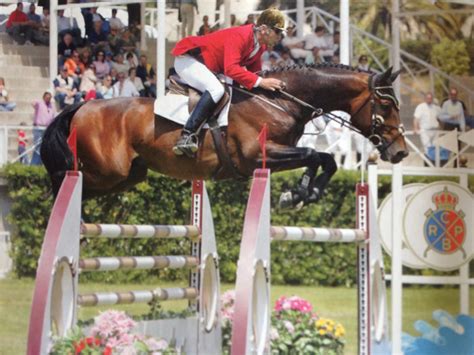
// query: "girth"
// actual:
[[219, 135]]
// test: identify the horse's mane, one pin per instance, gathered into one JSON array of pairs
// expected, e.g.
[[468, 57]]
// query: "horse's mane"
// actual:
[[302, 67]]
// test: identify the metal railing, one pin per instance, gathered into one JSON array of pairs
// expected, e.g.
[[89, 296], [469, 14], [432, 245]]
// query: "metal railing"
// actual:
[[9, 143]]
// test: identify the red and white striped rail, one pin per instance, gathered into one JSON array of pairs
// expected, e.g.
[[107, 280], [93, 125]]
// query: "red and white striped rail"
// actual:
[[158, 294], [138, 231], [251, 322], [55, 300]]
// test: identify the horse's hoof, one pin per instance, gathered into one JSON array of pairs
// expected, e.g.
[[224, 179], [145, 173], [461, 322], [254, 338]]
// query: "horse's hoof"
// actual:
[[315, 196], [286, 200]]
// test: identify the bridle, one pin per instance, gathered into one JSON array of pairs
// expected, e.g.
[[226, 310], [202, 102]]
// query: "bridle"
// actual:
[[377, 122]]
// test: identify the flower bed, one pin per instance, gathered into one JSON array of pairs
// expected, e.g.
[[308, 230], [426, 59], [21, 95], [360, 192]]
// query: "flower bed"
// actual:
[[111, 333], [296, 329]]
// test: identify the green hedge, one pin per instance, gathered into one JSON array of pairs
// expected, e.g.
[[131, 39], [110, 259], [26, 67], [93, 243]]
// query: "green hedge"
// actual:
[[165, 201]]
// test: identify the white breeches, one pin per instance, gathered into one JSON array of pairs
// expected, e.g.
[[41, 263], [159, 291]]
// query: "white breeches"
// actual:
[[197, 75]]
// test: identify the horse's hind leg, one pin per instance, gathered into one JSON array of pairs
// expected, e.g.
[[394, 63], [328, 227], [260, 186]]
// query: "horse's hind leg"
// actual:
[[137, 174], [117, 180]]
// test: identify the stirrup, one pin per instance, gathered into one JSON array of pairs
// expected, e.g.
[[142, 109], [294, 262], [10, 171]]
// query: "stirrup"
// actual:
[[187, 144]]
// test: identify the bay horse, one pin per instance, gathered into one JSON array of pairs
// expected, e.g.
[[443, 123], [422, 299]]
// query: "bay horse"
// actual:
[[118, 140]]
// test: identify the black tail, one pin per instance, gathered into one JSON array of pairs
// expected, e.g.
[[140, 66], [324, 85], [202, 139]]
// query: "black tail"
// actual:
[[55, 152]]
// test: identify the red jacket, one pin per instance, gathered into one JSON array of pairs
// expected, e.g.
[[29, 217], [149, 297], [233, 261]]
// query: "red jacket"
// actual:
[[16, 16], [227, 51]]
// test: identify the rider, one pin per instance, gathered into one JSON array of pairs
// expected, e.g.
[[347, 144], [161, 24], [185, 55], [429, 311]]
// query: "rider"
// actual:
[[234, 52]]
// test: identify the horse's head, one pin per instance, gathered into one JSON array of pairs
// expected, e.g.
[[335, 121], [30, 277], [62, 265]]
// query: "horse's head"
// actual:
[[378, 117]]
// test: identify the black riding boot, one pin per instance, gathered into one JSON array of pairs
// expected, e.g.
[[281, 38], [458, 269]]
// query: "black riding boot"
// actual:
[[188, 142]]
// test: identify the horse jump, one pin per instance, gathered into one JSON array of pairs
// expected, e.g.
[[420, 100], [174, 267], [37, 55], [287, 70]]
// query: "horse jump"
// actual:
[[251, 324], [55, 300]]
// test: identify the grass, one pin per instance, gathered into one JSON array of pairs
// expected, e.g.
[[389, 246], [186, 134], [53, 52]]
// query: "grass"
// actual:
[[339, 304]]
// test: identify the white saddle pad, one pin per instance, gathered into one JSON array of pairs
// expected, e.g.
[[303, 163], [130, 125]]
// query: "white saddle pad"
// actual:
[[175, 108]]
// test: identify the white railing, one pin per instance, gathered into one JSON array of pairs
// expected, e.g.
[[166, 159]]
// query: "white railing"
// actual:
[[416, 158]]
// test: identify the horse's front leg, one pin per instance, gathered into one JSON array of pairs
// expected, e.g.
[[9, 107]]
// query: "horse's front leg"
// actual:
[[309, 188]]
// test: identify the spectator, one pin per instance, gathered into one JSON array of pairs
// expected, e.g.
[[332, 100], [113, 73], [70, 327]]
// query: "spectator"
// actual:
[[270, 58], [106, 90], [233, 21], [452, 113], [115, 22], [65, 91], [186, 11], [38, 37], [286, 59], [119, 64], [88, 83], [114, 75], [131, 61], [313, 57], [132, 75], [85, 57], [45, 20], [43, 116], [69, 25], [75, 68], [128, 41], [335, 43], [205, 28], [134, 29], [5, 103], [124, 87], [102, 69], [363, 147], [147, 74], [318, 40], [65, 49], [425, 122], [363, 63], [294, 44], [114, 40], [108, 59], [250, 20], [22, 141], [338, 137], [335, 59], [98, 36], [19, 27]]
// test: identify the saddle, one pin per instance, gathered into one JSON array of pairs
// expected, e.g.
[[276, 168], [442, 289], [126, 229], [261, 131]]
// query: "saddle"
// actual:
[[219, 135]]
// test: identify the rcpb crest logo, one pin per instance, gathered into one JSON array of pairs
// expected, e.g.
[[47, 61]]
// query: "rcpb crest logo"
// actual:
[[445, 228], [438, 225]]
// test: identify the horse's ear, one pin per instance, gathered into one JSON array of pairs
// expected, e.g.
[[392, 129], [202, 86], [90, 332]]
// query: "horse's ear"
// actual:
[[393, 76], [386, 74]]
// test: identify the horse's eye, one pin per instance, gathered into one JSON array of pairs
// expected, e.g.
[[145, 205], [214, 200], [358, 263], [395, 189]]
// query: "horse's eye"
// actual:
[[385, 104]]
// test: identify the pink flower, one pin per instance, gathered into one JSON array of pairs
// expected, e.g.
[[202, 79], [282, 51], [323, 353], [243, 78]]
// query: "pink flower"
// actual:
[[155, 345], [289, 326], [293, 303], [274, 334]]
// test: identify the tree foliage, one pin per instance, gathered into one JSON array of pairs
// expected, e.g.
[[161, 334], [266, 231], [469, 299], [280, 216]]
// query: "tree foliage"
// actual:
[[451, 56]]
